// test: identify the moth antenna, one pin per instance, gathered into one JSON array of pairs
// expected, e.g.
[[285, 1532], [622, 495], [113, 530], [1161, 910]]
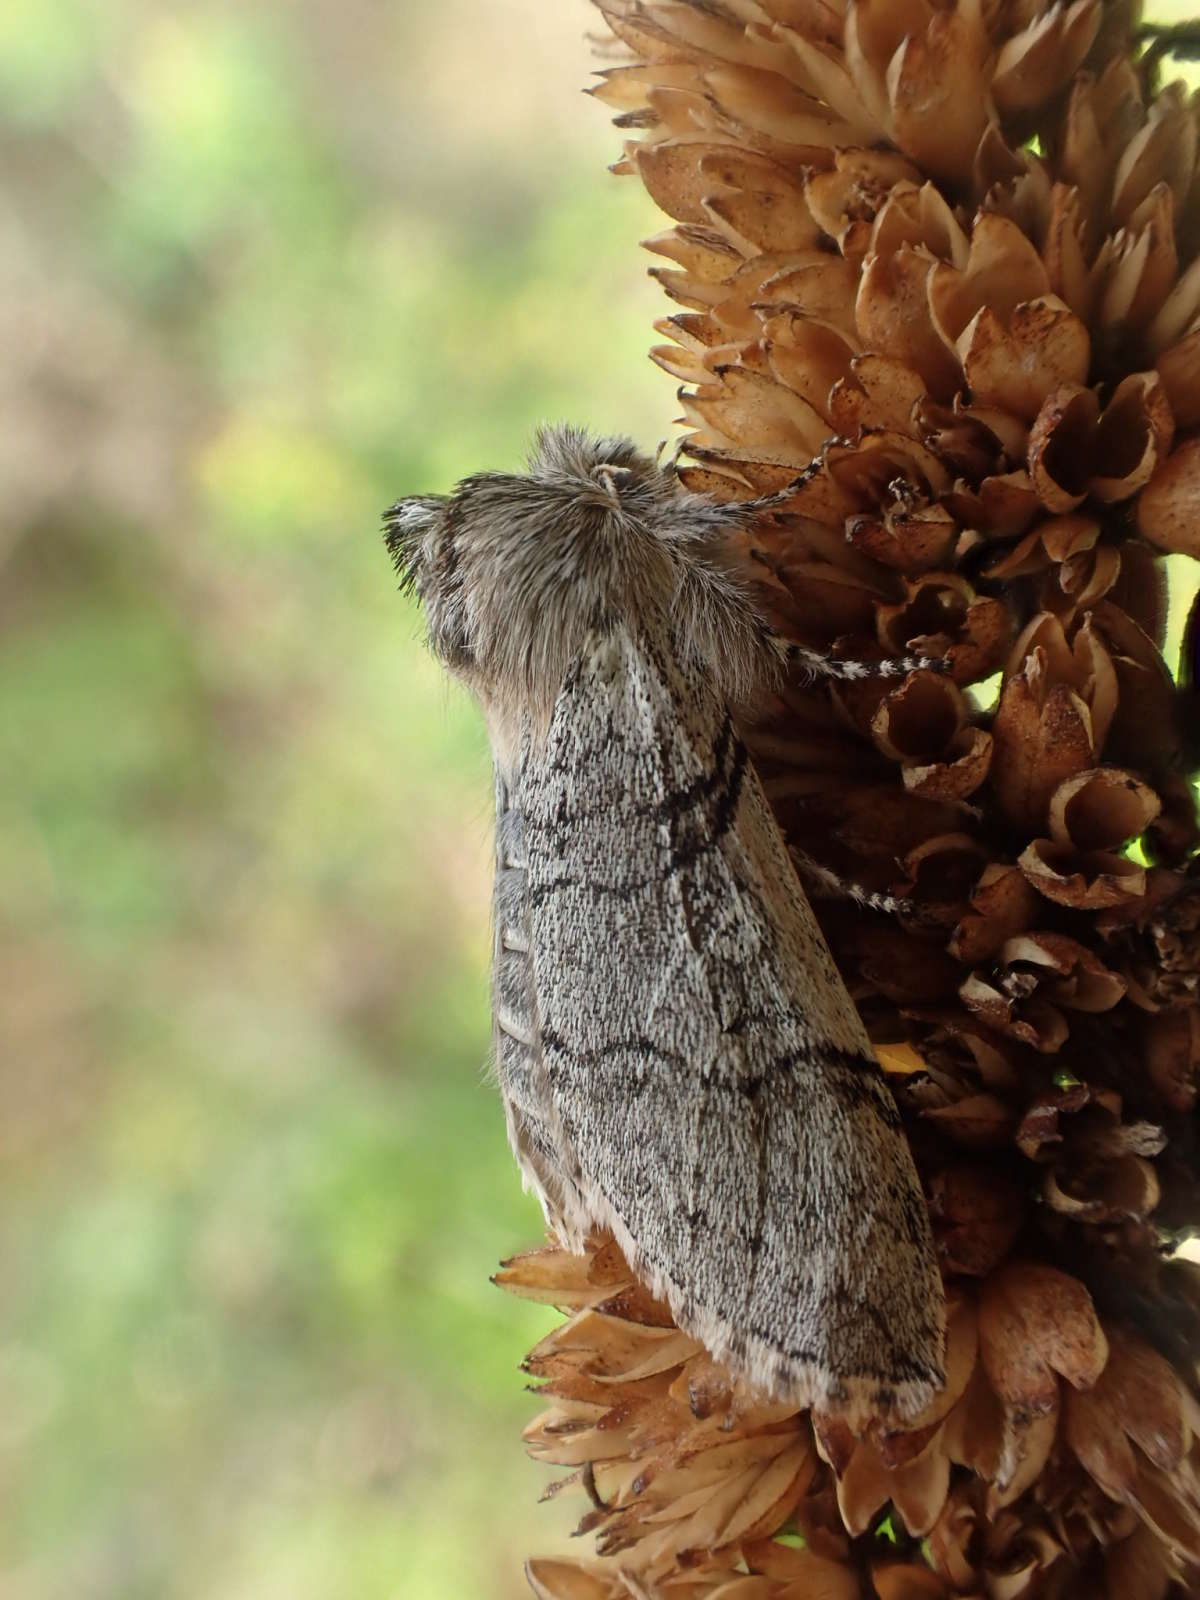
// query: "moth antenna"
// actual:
[[823, 882], [819, 664]]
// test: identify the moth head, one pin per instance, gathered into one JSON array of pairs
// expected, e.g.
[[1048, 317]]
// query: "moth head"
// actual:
[[514, 570], [420, 540]]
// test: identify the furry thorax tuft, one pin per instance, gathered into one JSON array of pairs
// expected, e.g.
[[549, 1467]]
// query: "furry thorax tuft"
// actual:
[[516, 571]]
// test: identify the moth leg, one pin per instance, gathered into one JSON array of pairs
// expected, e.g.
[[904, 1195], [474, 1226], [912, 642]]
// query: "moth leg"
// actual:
[[820, 664], [823, 883]]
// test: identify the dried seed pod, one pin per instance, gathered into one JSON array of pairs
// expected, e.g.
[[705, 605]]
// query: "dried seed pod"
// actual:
[[966, 359], [1168, 512]]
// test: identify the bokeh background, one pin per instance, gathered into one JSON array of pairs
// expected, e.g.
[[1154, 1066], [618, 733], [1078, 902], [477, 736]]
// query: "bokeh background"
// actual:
[[263, 268]]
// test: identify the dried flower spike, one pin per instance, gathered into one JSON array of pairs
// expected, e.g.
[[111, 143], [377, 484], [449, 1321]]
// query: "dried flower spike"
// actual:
[[936, 273]]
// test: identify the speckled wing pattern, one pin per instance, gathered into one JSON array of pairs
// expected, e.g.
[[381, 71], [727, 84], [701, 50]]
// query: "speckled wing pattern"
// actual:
[[679, 1057]]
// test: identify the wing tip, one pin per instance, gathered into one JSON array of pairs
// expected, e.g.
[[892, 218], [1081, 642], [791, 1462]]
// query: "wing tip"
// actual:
[[896, 1398], [858, 1400]]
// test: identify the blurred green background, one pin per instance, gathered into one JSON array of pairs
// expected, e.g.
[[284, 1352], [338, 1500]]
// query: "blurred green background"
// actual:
[[263, 268]]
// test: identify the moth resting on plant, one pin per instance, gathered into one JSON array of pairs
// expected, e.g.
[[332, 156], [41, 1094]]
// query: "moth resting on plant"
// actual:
[[679, 1059]]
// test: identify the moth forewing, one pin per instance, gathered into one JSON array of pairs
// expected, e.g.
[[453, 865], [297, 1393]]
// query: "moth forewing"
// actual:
[[712, 1093]]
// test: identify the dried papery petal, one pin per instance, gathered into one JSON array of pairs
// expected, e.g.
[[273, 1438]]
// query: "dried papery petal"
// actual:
[[865, 1484], [1002, 904], [1179, 368], [1043, 735], [874, 820], [745, 405], [1172, 1056], [908, 541], [962, 1349], [1090, 880], [1138, 268], [1068, 973], [1163, 151], [973, 440], [715, 484], [1168, 512], [792, 1573], [918, 721], [887, 469], [570, 1580], [672, 174], [561, 1278], [962, 1057], [1101, 809], [1002, 507], [1015, 184], [809, 357], [1124, 1187], [823, 288], [1103, 118], [1141, 589], [896, 965], [1040, 975], [1051, 541], [904, 1582], [1031, 1021], [1167, 1503], [953, 1540], [823, 69], [977, 1212], [973, 1436], [702, 254], [763, 221], [775, 112], [847, 198], [1060, 447], [1033, 65], [964, 767], [879, 395], [1096, 677], [741, 1488], [1156, 943], [1082, 662], [919, 216], [892, 316], [1046, 1123], [1035, 1322], [1026, 1441], [943, 616], [937, 92], [975, 1122], [1044, 345], [1077, 585], [1134, 434], [1137, 1401], [938, 874], [1139, 1565], [1144, 731], [1026, 1563], [1074, 275], [825, 604], [1002, 272]]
